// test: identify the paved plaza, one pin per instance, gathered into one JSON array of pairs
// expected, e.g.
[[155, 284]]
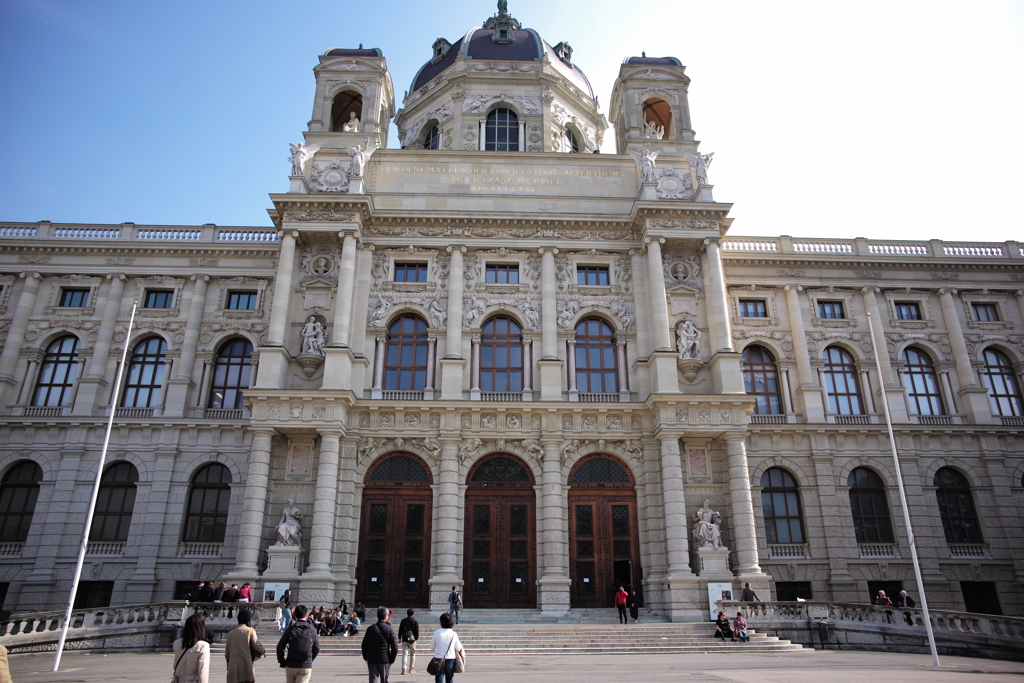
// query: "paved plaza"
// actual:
[[808, 666]]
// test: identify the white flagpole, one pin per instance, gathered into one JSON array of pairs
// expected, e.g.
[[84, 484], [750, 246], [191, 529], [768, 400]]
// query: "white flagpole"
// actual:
[[903, 500], [95, 494]]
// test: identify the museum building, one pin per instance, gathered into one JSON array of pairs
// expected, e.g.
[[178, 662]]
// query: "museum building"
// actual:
[[498, 359]]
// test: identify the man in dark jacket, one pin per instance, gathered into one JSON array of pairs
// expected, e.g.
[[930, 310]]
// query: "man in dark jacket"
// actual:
[[230, 594], [218, 592], [380, 647], [408, 634], [303, 646], [206, 592], [906, 601], [748, 594]]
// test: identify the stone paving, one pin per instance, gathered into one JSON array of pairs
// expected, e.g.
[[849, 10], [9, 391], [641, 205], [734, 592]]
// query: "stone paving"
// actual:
[[808, 666]]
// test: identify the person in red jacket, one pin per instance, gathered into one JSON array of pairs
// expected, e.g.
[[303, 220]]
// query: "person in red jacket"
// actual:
[[621, 598], [884, 601]]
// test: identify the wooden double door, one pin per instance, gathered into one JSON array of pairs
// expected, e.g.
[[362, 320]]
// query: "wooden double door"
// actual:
[[604, 550], [500, 564], [394, 547]]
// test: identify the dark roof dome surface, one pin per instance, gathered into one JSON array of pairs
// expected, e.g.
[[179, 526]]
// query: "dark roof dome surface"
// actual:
[[352, 52], [654, 61]]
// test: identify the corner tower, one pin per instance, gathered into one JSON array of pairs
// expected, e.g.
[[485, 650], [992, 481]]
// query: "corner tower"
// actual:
[[354, 98], [649, 106]]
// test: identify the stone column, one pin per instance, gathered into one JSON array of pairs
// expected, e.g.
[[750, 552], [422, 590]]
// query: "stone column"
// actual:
[[428, 389], [785, 389], [453, 364], [204, 388], [973, 398], [893, 391], [25, 395], [621, 371], [184, 374], [346, 285], [254, 505], [91, 382], [448, 558], [321, 536], [548, 304], [377, 391], [718, 302], [16, 335], [282, 289], [346, 524], [676, 520], [554, 580], [474, 388], [571, 366], [527, 370], [808, 392], [947, 392], [657, 294], [744, 530], [865, 386]]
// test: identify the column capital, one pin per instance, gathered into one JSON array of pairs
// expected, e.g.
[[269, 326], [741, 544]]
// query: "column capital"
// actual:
[[708, 241], [653, 238], [634, 252], [793, 288], [199, 276], [118, 276], [456, 247], [527, 341], [943, 291], [32, 276], [735, 436], [294, 234], [330, 434], [1019, 293], [870, 290], [367, 247], [548, 250], [268, 432]]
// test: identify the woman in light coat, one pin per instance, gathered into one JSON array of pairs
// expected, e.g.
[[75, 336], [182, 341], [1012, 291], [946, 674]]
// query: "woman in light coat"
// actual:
[[192, 653], [239, 648], [446, 645]]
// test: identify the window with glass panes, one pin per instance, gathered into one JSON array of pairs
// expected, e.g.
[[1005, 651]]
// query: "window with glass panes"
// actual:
[[206, 513], [433, 138], [753, 308], [780, 502], [145, 374], [231, 375], [410, 272], [405, 360], [956, 507], [907, 310], [830, 309], [74, 298], [986, 312], [869, 508], [114, 503], [501, 133], [841, 384], [595, 357], [242, 301], [159, 298], [501, 355], [760, 379], [57, 373], [571, 145], [19, 491], [1001, 382], [922, 383], [502, 273], [591, 275]]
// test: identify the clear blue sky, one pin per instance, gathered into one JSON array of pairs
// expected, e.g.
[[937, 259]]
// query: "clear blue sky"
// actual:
[[877, 119]]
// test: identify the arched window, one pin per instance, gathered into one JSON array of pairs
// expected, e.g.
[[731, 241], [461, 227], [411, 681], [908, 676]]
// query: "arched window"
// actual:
[[346, 103], [600, 472], [956, 507], [841, 382], [780, 501], [504, 471], [501, 355], [19, 490], [231, 375], [405, 362], [57, 373], [206, 517], [867, 503], [658, 117], [502, 131], [115, 503], [145, 374], [1003, 391], [922, 384], [571, 145], [760, 379], [401, 470], [432, 140], [595, 357]]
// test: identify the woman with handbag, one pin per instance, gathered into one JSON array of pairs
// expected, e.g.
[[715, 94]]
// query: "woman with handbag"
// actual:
[[241, 650], [192, 653], [448, 652]]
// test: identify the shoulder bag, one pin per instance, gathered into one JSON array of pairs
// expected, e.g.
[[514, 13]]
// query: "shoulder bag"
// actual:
[[256, 648], [460, 661], [437, 664]]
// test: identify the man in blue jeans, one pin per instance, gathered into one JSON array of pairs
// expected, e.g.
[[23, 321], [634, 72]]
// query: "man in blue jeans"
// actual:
[[454, 603]]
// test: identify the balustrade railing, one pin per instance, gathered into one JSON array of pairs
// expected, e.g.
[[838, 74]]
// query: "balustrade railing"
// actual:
[[934, 419], [1011, 421], [199, 549], [588, 397], [134, 412], [879, 550], [87, 233], [979, 550], [182, 235], [851, 419], [11, 549], [14, 231], [823, 247], [247, 236], [899, 249], [33, 411], [500, 396], [402, 395], [108, 549], [767, 419], [221, 414], [788, 550]]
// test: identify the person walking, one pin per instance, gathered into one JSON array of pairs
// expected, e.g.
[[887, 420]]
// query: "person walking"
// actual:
[[380, 647], [906, 601], [621, 598], [408, 634], [240, 648], [192, 653], [302, 645], [634, 606], [454, 603], [285, 604], [446, 646]]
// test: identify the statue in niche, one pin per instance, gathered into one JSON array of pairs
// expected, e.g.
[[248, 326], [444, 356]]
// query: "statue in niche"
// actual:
[[360, 155], [321, 267], [700, 163], [438, 316], [688, 342], [352, 125], [645, 161], [652, 131], [314, 337], [300, 155], [289, 530], [706, 531]]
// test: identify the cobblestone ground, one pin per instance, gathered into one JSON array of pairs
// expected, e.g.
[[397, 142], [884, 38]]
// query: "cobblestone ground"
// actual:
[[808, 666]]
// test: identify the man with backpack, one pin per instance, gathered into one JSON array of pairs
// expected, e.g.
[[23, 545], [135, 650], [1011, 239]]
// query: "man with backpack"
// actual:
[[303, 645], [380, 647], [454, 603], [408, 634]]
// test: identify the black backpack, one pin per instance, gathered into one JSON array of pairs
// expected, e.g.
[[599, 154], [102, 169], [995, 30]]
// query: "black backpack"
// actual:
[[300, 641]]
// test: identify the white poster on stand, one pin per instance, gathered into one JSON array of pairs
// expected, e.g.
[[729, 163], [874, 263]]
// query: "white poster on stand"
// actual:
[[272, 592], [716, 592]]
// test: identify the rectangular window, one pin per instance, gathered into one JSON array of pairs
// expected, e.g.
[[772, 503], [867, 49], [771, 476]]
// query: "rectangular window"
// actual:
[[753, 308], [242, 301], [830, 309], [985, 312], [92, 594], [74, 298], [410, 272], [790, 591], [591, 275], [159, 298], [908, 310], [503, 273]]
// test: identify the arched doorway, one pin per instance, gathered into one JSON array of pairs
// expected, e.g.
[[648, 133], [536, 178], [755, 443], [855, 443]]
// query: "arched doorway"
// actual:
[[394, 534], [604, 547], [500, 565]]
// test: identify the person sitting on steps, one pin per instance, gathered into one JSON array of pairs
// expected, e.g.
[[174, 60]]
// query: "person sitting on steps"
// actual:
[[723, 629]]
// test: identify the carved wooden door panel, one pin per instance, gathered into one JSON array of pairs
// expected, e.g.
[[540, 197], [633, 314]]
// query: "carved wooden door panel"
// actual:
[[394, 539], [500, 549], [604, 550]]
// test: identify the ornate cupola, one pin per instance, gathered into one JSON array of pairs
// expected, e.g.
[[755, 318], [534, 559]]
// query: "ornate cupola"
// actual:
[[354, 98], [649, 106]]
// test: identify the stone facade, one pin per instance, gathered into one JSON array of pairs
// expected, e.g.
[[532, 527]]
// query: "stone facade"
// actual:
[[316, 420]]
